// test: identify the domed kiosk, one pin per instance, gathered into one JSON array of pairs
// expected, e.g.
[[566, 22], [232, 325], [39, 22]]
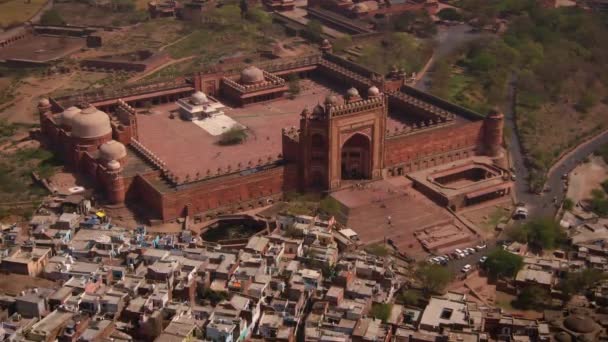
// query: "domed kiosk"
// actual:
[[199, 98], [252, 75], [373, 91], [112, 151], [580, 324], [91, 124]]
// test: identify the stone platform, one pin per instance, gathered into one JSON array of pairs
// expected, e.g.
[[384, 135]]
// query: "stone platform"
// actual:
[[366, 209]]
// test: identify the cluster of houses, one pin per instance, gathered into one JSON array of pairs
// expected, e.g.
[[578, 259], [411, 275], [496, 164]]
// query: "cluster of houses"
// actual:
[[303, 279]]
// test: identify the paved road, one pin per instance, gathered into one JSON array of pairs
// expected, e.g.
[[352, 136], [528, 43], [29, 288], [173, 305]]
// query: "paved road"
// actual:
[[543, 205]]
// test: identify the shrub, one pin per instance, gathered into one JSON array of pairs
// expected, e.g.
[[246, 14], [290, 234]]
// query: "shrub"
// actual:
[[532, 297], [233, 136], [433, 278], [450, 14], [52, 17], [569, 204]]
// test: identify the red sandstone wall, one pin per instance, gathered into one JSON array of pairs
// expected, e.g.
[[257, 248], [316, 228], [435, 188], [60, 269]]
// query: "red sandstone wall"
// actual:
[[409, 148], [226, 192]]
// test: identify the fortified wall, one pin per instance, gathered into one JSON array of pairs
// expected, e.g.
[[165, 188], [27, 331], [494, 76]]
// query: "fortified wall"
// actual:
[[347, 133]]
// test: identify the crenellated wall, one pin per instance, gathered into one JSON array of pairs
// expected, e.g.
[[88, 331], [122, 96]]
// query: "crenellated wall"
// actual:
[[221, 194], [433, 147]]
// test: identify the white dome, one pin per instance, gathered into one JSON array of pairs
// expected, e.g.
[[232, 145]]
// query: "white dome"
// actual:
[[373, 91], [112, 150], [68, 115], [352, 92], [332, 100], [91, 123], [360, 8], [44, 102], [252, 74], [199, 98], [113, 165]]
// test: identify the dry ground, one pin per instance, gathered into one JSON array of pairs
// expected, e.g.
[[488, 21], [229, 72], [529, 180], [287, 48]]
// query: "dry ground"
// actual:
[[18, 11], [586, 177], [487, 218], [13, 284]]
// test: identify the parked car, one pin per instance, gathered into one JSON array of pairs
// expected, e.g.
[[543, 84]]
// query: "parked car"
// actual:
[[480, 247], [470, 250], [466, 268], [483, 259]]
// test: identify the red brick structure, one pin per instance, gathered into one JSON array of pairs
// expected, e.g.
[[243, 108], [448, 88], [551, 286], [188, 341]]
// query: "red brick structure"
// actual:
[[368, 9], [379, 128]]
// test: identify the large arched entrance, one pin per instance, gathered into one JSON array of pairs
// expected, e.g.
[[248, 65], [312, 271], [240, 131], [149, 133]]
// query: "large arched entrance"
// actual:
[[356, 161]]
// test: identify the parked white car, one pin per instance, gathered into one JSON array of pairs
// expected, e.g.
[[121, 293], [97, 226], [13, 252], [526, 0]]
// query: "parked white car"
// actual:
[[466, 268]]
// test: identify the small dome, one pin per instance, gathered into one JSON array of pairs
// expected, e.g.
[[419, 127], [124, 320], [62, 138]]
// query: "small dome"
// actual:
[[44, 102], [360, 8], [332, 100], [373, 91], [252, 74], [318, 110], [580, 324], [199, 98], [91, 123], [68, 115], [305, 112], [113, 165], [112, 150], [352, 92]]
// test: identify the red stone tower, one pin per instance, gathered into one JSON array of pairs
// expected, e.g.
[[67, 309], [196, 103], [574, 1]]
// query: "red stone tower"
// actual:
[[115, 188], [493, 133]]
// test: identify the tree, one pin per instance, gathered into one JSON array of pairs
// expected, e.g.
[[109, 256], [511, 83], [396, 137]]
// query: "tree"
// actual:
[[314, 30], [382, 311], [579, 282], [233, 136], [244, 7], [52, 17], [294, 86], [503, 264], [450, 14], [532, 297], [568, 204], [123, 5], [433, 278], [544, 233]]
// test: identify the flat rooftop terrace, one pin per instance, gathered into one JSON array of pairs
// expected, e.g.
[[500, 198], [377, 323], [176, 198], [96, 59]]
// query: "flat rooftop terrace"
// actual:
[[187, 148]]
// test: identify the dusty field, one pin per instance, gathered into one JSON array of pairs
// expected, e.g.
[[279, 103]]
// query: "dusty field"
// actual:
[[27, 93], [12, 284], [477, 287], [18, 11], [586, 177], [80, 14], [488, 217]]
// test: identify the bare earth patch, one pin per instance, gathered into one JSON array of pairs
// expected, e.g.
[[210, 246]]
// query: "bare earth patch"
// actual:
[[13, 284], [586, 177]]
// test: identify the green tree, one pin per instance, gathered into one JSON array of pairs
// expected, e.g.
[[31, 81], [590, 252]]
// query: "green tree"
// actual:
[[381, 311], [52, 17], [532, 297], [433, 278], [294, 85], [450, 14], [314, 30], [503, 264], [233, 136], [579, 282], [244, 7], [544, 233], [568, 204]]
